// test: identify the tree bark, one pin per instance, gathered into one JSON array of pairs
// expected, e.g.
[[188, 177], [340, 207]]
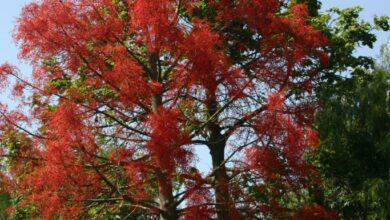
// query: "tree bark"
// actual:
[[217, 145], [166, 199], [221, 185], [167, 203]]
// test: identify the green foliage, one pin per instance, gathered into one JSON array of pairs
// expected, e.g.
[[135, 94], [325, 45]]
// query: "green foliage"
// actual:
[[354, 154], [382, 22], [20, 212], [4, 204], [354, 119], [346, 32]]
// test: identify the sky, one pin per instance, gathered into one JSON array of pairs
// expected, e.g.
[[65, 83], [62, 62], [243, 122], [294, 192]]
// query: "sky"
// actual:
[[10, 9]]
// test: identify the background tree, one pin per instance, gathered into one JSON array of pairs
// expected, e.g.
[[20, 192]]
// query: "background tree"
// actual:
[[353, 154], [123, 91], [353, 122]]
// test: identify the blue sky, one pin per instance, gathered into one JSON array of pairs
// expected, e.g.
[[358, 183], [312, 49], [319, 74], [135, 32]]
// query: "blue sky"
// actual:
[[9, 11]]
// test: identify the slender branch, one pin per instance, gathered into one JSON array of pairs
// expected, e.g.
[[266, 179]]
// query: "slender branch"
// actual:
[[21, 128]]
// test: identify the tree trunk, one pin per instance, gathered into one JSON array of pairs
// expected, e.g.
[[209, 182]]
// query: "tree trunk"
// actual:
[[166, 199], [167, 203], [221, 182], [217, 145]]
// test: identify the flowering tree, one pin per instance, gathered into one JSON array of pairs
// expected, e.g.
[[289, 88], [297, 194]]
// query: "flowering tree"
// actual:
[[123, 92]]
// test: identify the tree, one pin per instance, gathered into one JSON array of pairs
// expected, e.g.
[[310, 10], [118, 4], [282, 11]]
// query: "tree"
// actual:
[[353, 121], [123, 91], [354, 130]]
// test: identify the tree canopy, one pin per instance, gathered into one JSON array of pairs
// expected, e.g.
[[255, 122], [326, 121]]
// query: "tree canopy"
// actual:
[[123, 93]]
